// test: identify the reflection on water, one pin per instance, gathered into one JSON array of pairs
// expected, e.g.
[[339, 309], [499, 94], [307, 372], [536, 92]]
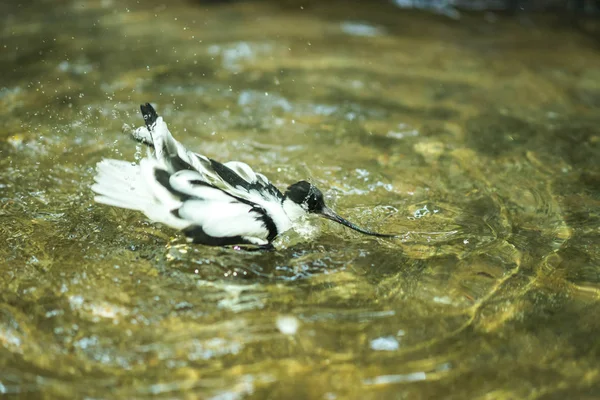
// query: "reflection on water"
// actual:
[[476, 140]]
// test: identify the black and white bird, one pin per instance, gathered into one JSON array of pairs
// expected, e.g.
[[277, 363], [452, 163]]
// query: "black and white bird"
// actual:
[[212, 203]]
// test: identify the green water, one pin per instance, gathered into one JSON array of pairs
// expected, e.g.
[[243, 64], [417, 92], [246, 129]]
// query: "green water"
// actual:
[[478, 140]]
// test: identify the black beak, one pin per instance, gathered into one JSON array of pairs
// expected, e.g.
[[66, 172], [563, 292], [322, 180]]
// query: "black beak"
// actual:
[[330, 214]]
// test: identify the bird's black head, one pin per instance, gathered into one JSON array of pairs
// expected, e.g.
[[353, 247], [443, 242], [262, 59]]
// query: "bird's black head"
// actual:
[[311, 200], [307, 196]]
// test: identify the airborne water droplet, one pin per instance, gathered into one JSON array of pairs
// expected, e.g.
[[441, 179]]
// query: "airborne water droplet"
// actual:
[[138, 153]]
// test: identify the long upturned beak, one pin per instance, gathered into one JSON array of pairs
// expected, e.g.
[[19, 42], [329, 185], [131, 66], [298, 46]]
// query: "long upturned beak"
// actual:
[[330, 214]]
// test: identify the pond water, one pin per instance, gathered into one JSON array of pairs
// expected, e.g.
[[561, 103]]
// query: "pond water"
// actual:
[[476, 139]]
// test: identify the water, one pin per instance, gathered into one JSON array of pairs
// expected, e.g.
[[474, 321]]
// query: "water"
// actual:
[[477, 140]]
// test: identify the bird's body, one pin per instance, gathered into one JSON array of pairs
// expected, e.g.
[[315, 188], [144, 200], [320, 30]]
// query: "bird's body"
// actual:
[[212, 203]]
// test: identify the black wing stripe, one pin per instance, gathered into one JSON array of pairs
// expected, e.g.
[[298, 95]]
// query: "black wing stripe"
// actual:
[[199, 236], [267, 221], [233, 179], [162, 177], [228, 175], [178, 163]]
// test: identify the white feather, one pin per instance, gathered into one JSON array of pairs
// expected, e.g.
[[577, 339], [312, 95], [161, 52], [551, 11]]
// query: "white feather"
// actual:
[[118, 184], [148, 167], [141, 134], [165, 216], [243, 170], [161, 137], [121, 184], [220, 219], [262, 179], [182, 182], [164, 140]]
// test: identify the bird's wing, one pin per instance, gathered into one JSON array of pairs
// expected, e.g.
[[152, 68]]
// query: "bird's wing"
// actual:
[[239, 179], [215, 213], [234, 177], [228, 220]]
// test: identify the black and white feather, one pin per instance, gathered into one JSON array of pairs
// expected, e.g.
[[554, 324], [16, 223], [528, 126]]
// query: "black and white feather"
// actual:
[[212, 203]]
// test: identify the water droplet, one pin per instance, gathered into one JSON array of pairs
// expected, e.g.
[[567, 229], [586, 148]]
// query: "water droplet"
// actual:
[[138, 153], [287, 324], [388, 343]]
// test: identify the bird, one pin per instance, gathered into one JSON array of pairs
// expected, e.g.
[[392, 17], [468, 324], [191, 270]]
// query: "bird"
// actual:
[[212, 203]]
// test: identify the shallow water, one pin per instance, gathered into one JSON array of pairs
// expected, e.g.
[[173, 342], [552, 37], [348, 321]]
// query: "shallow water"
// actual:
[[478, 140]]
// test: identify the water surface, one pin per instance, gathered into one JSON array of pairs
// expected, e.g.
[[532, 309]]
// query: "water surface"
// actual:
[[478, 140]]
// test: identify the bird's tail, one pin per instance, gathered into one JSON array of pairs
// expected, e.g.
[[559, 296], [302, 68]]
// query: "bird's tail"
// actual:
[[119, 184], [135, 187]]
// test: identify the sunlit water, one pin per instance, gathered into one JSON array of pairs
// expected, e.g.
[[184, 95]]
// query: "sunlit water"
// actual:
[[478, 140]]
